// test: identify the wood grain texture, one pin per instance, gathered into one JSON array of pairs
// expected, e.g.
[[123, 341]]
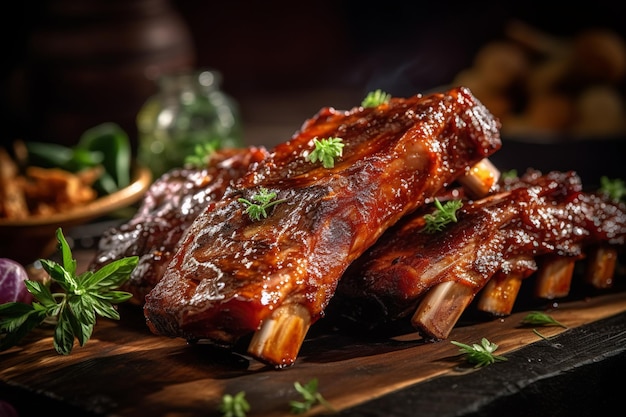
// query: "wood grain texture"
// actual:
[[125, 371]]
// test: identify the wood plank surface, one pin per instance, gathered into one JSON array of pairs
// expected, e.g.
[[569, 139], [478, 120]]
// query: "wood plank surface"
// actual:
[[125, 371]]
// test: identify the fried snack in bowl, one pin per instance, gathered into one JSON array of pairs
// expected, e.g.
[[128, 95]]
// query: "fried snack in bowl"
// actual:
[[34, 205]]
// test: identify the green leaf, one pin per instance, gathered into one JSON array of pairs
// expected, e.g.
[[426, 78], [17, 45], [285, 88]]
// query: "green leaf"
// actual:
[[114, 297], [264, 200], [480, 354], [442, 216], [614, 189], [202, 153], [375, 98], [538, 318], [50, 155], [41, 292], [59, 275], [310, 395], [14, 329], [326, 150], [63, 339], [113, 142], [69, 263], [234, 405], [111, 275], [75, 310]]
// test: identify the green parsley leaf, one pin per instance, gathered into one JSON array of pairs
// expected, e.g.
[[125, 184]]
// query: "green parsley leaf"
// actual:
[[326, 150], [615, 189], [442, 216], [310, 396], [537, 318], [234, 405], [375, 98], [480, 354], [74, 310], [264, 200]]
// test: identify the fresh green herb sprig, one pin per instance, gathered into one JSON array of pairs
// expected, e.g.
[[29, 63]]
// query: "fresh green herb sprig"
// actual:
[[74, 310], [202, 153], [326, 150], [310, 396], [538, 318], [375, 98], [264, 200], [615, 189], [480, 354], [234, 405], [442, 216]]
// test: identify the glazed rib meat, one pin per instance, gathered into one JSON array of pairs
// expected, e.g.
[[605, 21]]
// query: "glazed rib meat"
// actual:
[[274, 277], [434, 276], [170, 205]]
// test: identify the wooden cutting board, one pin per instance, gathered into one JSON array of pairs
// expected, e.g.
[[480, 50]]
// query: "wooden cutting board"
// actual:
[[125, 371]]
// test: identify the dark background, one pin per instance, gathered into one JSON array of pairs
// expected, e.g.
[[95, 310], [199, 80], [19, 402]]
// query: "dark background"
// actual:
[[70, 64]]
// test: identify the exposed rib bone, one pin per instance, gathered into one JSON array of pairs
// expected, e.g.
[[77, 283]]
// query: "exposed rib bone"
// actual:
[[280, 337], [554, 277], [601, 264], [441, 308], [543, 217], [480, 179], [232, 272], [500, 293]]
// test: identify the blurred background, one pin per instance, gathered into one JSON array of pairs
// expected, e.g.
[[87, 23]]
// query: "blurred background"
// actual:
[[71, 64]]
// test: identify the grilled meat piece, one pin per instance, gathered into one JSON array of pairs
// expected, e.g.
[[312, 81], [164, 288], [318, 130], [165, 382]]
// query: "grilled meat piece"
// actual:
[[505, 234], [232, 275], [170, 205]]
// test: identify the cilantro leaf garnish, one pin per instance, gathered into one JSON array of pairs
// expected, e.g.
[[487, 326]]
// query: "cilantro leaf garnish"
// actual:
[[375, 98], [480, 354], [442, 216], [264, 200], [74, 308], [326, 150]]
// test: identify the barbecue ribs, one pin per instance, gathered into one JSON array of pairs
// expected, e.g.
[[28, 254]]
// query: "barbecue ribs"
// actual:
[[170, 205], [534, 221], [232, 276]]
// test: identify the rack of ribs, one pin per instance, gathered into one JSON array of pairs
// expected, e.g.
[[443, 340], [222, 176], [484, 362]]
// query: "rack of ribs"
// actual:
[[169, 206], [534, 224], [273, 278]]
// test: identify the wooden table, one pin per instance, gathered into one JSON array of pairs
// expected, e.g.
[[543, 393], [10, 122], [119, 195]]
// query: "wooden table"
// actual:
[[125, 371]]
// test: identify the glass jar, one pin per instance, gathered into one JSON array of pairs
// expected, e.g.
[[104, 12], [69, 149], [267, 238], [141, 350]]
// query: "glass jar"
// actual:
[[189, 109]]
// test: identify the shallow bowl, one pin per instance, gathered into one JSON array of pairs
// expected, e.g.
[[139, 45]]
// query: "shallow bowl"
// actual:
[[27, 240]]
